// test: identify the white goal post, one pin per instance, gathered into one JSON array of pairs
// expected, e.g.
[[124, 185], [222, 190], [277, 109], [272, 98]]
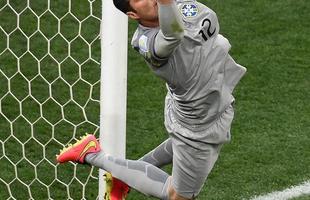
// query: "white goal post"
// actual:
[[51, 90], [114, 34]]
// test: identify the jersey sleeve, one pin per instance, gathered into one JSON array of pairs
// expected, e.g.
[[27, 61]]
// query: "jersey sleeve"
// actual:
[[157, 44], [171, 30], [143, 42]]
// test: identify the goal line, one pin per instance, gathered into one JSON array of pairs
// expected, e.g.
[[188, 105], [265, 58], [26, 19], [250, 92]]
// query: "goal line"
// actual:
[[289, 193]]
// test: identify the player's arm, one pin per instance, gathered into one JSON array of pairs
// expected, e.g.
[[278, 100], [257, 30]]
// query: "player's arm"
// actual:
[[171, 28]]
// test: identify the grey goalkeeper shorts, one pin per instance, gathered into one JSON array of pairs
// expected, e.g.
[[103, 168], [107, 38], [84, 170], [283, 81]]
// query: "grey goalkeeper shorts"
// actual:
[[194, 160], [191, 167]]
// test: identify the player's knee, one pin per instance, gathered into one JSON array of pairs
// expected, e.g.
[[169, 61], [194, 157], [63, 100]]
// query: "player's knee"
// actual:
[[173, 195], [169, 193]]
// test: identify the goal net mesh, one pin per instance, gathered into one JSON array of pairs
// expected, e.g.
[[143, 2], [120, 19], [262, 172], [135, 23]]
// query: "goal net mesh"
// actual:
[[49, 95]]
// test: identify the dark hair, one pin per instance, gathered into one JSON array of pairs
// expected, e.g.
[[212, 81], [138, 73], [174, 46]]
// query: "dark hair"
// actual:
[[123, 5]]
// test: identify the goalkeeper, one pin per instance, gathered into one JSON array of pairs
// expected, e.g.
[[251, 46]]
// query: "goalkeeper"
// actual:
[[181, 44]]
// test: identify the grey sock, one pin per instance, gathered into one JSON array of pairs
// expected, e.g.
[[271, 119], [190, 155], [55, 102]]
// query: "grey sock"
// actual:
[[139, 175], [161, 155]]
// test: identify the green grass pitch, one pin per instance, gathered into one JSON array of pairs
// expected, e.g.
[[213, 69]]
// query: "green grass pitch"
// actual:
[[270, 147]]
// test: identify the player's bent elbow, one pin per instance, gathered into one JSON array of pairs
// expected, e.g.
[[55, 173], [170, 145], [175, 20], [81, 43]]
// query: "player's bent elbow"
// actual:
[[180, 35], [174, 32]]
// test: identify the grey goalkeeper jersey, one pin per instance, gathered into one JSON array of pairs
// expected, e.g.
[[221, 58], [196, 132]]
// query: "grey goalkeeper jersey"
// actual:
[[200, 74]]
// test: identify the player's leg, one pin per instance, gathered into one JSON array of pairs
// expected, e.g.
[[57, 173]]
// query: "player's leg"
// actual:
[[161, 155], [173, 195], [140, 175]]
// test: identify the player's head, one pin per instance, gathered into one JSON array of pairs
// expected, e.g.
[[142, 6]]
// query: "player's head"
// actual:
[[123, 5], [144, 11]]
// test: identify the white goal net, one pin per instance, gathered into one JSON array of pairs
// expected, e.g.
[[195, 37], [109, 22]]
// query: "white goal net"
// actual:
[[49, 95]]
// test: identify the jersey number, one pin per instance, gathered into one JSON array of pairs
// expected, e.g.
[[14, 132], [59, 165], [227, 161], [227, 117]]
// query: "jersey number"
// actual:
[[205, 31]]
